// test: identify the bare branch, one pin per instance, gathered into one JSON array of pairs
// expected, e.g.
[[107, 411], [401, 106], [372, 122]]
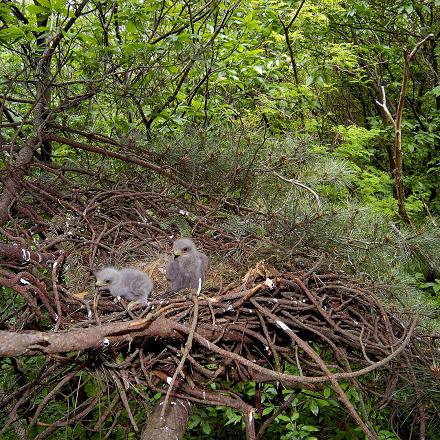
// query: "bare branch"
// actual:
[[301, 185]]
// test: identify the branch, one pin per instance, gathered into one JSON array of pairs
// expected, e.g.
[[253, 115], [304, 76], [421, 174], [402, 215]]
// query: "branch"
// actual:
[[384, 106], [102, 151], [331, 377], [19, 253], [174, 424], [185, 353], [417, 46], [301, 185], [33, 342]]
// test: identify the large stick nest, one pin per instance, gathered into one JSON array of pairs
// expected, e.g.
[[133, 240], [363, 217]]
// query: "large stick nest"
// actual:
[[253, 319]]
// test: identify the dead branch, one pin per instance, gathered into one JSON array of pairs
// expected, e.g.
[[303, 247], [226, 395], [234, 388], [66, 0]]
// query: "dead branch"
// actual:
[[397, 124]]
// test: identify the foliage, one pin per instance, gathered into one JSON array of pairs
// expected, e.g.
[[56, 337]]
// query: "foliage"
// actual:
[[310, 415]]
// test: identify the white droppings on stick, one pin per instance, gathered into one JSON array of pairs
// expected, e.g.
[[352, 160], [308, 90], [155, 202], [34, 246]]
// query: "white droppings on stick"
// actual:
[[25, 282], [25, 255], [169, 380], [282, 325], [105, 342]]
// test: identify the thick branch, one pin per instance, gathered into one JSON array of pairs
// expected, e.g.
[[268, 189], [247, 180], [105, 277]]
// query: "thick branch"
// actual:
[[97, 150], [25, 255], [172, 424]]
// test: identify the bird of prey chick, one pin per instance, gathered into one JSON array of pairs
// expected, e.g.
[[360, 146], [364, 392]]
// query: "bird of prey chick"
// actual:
[[131, 284], [186, 266]]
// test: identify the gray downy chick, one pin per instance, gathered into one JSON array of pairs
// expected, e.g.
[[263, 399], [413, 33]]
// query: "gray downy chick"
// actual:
[[131, 284], [186, 266]]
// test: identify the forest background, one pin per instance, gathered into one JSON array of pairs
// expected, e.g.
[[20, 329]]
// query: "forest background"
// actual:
[[323, 116]]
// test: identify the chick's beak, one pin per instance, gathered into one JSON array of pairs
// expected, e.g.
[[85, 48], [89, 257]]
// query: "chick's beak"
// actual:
[[100, 283], [177, 254]]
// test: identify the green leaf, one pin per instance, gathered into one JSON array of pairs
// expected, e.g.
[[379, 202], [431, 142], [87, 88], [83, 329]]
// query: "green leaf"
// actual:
[[309, 428], [131, 27], [436, 91], [314, 408], [35, 9], [310, 80], [267, 411], [206, 427], [11, 33], [58, 5], [283, 418]]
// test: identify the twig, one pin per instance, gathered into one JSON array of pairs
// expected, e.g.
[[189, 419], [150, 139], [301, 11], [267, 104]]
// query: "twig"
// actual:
[[124, 399], [56, 265], [185, 352], [285, 405], [301, 185], [306, 347]]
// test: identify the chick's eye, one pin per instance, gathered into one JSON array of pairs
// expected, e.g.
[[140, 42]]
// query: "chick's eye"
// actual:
[[185, 249]]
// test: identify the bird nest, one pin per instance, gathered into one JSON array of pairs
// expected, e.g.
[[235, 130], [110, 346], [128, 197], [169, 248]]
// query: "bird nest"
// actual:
[[265, 322]]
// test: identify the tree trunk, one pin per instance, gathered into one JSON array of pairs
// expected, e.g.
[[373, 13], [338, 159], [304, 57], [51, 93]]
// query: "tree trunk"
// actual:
[[16, 172], [173, 424]]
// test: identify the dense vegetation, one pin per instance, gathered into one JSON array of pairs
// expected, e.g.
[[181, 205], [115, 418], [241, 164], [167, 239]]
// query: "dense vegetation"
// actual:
[[292, 109]]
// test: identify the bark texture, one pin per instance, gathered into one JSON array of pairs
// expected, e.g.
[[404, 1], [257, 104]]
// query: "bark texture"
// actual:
[[172, 425]]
